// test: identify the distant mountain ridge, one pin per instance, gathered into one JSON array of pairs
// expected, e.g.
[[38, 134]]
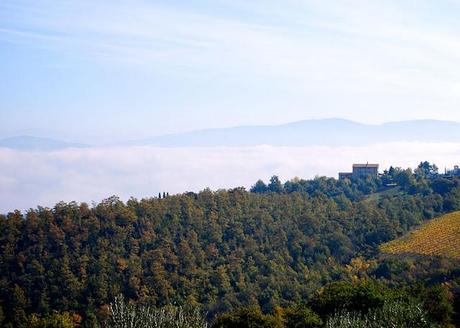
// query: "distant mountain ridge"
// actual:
[[36, 143], [326, 132], [323, 132]]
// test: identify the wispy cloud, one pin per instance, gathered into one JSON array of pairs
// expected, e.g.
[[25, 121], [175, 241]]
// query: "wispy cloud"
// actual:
[[267, 61], [289, 38]]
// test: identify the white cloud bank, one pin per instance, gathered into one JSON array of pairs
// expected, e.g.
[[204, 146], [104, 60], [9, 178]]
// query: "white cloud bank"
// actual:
[[28, 179]]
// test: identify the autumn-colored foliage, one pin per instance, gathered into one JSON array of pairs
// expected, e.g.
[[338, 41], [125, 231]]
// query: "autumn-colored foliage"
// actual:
[[438, 237], [219, 250]]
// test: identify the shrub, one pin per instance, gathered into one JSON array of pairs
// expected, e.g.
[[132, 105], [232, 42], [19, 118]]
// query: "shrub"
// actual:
[[353, 297], [301, 316], [400, 315], [125, 315], [55, 320], [250, 317]]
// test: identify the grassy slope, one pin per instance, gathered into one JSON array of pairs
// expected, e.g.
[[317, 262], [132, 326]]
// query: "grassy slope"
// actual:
[[439, 237], [391, 192]]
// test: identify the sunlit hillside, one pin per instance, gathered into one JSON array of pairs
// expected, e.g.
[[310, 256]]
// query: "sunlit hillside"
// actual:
[[439, 237]]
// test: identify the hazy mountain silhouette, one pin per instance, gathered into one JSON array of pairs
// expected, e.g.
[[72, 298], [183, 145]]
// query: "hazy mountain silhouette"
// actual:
[[326, 132], [36, 143], [330, 132]]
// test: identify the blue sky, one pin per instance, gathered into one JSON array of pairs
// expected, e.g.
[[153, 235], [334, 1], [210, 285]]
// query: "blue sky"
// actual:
[[97, 71]]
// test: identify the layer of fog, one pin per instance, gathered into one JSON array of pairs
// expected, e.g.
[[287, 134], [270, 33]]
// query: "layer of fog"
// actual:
[[28, 179]]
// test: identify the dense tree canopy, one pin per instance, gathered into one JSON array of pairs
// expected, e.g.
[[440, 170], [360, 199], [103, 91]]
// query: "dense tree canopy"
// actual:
[[222, 250]]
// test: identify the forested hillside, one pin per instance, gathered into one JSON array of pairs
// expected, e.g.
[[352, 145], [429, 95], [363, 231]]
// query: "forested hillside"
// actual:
[[272, 246]]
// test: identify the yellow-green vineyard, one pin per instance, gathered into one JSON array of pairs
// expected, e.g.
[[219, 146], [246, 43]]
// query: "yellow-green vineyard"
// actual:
[[439, 237]]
